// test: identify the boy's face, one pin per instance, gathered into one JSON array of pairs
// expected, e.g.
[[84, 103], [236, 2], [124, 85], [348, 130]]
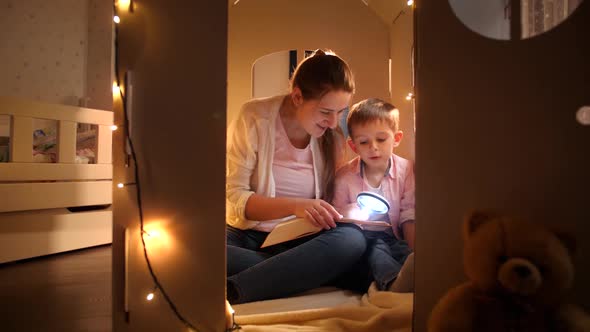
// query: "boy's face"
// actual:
[[374, 142]]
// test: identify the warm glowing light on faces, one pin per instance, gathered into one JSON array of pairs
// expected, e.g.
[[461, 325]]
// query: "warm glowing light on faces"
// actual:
[[316, 116], [374, 142]]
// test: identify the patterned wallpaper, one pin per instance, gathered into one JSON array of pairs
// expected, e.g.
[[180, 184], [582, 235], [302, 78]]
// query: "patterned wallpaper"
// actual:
[[99, 75], [44, 50]]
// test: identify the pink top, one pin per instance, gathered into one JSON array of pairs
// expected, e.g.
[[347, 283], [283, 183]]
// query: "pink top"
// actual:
[[397, 187], [292, 169]]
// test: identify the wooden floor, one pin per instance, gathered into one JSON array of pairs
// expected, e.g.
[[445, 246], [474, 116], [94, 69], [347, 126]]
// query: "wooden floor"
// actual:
[[64, 292]]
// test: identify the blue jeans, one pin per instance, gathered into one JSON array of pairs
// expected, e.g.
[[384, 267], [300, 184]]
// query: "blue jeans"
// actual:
[[385, 256], [291, 267]]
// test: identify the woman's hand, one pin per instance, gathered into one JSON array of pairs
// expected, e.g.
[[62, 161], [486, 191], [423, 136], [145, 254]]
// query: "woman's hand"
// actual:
[[318, 212]]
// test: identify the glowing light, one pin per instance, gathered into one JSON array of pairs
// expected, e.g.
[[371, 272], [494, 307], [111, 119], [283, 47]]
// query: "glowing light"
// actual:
[[156, 236], [117, 19], [410, 96], [114, 127], [152, 233], [410, 2], [116, 89], [124, 4], [372, 202], [150, 296], [359, 214], [120, 185]]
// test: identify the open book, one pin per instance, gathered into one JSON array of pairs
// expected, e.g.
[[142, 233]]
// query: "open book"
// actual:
[[299, 227]]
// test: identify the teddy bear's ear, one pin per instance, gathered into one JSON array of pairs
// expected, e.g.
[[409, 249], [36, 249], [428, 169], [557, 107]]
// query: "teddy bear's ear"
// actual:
[[474, 220], [567, 239]]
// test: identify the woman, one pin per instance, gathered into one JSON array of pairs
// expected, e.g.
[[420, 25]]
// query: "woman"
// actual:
[[282, 157]]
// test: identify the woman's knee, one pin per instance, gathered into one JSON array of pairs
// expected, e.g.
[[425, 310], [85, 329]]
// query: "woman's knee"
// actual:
[[349, 240], [234, 236]]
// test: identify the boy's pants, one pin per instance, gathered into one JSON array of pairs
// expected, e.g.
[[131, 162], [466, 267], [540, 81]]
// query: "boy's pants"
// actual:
[[385, 256], [381, 262]]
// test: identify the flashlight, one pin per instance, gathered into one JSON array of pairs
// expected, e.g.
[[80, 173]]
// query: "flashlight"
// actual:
[[372, 202]]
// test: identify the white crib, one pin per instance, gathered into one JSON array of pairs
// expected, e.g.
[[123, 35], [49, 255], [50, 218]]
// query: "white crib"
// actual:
[[57, 201]]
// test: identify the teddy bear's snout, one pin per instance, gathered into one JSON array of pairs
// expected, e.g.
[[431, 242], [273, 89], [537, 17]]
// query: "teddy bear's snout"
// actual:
[[520, 276], [522, 271]]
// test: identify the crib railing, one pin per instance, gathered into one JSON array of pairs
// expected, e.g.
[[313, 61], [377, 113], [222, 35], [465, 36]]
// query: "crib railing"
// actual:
[[35, 197]]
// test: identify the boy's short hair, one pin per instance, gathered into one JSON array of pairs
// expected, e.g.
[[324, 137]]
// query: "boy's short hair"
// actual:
[[372, 109]]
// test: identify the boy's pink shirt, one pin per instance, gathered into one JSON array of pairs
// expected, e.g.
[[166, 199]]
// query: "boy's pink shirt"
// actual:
[[398, 188]]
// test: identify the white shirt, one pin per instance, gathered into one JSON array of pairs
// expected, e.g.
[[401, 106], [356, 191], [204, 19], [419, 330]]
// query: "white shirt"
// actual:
[[250, 155]]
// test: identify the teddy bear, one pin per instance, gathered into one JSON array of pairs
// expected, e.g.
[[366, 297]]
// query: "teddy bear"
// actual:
[[518, 273]]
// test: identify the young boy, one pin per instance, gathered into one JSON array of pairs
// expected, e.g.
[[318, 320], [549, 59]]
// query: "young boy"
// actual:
[[373, 127]]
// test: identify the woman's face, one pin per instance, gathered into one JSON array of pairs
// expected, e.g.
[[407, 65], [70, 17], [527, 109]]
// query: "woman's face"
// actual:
[[317, 115]]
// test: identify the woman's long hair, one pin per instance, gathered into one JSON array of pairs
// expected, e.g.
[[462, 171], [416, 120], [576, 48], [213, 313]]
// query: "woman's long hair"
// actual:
[[315, 76]]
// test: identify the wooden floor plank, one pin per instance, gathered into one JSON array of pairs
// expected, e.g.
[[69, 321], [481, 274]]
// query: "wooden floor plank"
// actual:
[[64, 292]]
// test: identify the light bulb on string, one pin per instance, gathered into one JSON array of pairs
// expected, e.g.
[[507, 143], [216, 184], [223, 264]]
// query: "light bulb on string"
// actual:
[[150, 238], [157, 237], [116, 89], [121, 185], [410, 96], [151, 295], [410, 2], [124, 4], [152, 233]]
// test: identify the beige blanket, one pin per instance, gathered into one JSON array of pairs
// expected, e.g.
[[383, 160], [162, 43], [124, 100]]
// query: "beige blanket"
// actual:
[[336, 310]]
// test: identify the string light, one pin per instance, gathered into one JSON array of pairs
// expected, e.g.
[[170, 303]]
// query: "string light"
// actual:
[[124, 4], [152, 233], [129, 5], [116, 89], [121, 185], [410, 2], [410, 96], [117, 19], [114, 127]]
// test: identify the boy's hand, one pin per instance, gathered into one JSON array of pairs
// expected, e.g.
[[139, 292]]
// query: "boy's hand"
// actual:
[[319, 212]]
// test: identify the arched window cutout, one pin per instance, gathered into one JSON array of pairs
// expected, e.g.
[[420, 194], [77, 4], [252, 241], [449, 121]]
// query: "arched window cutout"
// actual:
[[270, 74], [512, 19]]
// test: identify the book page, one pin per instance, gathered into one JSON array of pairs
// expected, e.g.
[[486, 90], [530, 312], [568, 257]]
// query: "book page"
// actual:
[[299, 227], [290, 230]]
